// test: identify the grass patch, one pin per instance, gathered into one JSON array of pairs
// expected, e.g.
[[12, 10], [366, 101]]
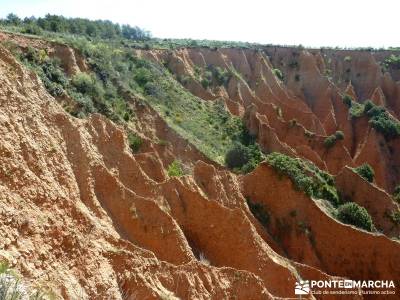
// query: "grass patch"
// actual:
[[175, 169]]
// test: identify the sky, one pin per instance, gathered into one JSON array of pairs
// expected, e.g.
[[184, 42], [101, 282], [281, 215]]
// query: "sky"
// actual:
[[312, 23]]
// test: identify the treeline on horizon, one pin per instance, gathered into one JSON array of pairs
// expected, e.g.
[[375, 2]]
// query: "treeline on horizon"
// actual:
[[95, 29], [107, 30]]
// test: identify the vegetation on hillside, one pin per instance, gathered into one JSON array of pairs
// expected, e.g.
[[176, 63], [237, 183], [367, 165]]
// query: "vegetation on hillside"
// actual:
[[356, 109], [395, 217], [305, 176], [396, 194], [330, 141], [320, 185], [210, 76], [12, 288], [379, 118], [245, 154], [175, 169], [353, 214], [118, 75], [99, 91], [278, 73], [393, 61], [134, 141], [366, 172]]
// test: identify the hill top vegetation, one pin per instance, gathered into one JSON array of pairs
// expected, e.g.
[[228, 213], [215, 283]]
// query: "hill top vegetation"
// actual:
[[117, 75], [94, 29], [55, 26]]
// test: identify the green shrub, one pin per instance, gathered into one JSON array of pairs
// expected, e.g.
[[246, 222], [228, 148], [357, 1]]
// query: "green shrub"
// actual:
[[374, 111], [381, 120], [222, 76], [53, 77], [184, 79], [142, 76], [328, 192], [175, 169], [305, 176], [48, 69], [396, 194], [395, 217], [368, 105], [356, 109], [84, 84], [256, 157], [52, 70], [32, 29], [366, 172], [393, 61], [339, 135], [244, 157], [135, 142], [353, 214], [278, 73], [328, 74], [152, 89], [383, 123], [237, 156], [205, 83], [330, 141], [347, 99]]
